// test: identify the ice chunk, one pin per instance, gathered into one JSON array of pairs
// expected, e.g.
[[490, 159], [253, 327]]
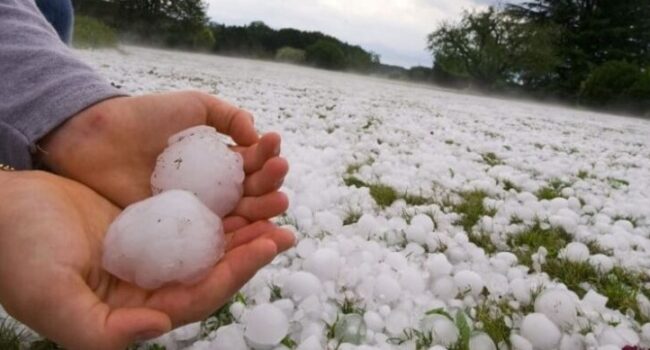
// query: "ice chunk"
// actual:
[[576, 252], [520, 343], [442, 329], [324, 263], [171, 237], [387, 289], [481, 341], [396, 322], [444, 288], [266, 326], [541, 332], [559, 306], [373, 321], [302, 284], [469, 282], [438, 265], [188, 332], [197, 161], [229, 337]]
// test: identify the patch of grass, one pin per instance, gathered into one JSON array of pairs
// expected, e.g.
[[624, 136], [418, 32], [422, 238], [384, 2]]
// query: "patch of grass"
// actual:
[[484, 241], [289, 343], [11, 335], [617, 183], [351, 306], [515, 220], [472, 209], [491, 317], [552, 190], [383, 195], [423, 340], [276, 292], [92, 33], [509, 185], [621, 287], [449, 142], [595, 248], [352, 181], [529, 241], [583, 174], [416, 200], [352, 217], [221, 317], [491, 159]]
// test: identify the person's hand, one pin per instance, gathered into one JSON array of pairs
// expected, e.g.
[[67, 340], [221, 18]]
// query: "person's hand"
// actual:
[[112, 147], [51, 279]]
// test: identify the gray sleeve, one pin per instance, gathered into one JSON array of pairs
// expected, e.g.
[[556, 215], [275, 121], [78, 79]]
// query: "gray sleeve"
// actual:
[[42, 83]]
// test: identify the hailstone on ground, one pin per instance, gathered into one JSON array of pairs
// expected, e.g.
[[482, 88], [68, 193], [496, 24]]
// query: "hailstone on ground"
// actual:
[[171, 237], [197, 161]]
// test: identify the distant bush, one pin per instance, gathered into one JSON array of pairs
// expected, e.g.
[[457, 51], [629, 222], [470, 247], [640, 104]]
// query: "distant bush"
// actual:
[[291, 55], [92, 33], [609, 84], [618, 85], [326, 54]]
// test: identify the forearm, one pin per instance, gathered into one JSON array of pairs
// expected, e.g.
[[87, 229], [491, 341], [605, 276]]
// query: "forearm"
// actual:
[[42, 83]]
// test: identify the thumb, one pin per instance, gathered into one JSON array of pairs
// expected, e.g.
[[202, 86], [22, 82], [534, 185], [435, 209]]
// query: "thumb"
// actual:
[[136, 324]]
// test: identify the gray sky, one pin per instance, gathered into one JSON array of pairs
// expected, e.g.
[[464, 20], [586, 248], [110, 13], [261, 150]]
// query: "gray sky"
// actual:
[[396, 29]]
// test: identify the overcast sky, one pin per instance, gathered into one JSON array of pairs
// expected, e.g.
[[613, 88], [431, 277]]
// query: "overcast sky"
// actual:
[[396, 29]]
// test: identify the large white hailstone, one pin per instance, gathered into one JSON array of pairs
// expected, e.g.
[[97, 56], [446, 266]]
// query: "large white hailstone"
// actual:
[[559, 306], [576, 252], [397, 322], [572, 342], [197, 161], [188, 332], [325, 263], [171, 237], [602, 263], [373, 321], [266, 326], [645, 333], [541, 332], [387, 289], [302, 284], [469, 281], [444, 331], [438, 265], [520, 343], [481, 341], [229, 337], [444, 288]]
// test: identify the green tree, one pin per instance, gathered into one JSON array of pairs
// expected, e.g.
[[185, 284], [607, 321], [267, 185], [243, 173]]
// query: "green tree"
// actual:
[[493, 49], [326, 54]]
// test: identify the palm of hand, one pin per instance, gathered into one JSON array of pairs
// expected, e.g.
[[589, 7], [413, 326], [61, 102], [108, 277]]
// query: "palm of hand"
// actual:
[[51, 276], [112, 147]]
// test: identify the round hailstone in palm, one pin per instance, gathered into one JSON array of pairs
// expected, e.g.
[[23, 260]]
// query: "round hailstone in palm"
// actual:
[[197, 161], [171, 237]]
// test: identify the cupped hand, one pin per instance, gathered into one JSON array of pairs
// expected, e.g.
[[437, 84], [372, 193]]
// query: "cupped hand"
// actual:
[[51, 279], [112, 147]]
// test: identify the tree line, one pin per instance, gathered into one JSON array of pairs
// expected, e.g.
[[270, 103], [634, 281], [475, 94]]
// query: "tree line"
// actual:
[[185, 24], [590, 52], [594, 53]]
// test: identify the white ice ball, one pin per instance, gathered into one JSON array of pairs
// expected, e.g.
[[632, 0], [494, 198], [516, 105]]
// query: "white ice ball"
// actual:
[[559, 306], [541, 332], [197, 161], [301, 285], [469, 282], [171, 237], [266, 326]]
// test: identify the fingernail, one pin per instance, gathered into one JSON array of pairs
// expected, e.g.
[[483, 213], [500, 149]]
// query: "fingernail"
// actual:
[[144, 336], [277, 150]]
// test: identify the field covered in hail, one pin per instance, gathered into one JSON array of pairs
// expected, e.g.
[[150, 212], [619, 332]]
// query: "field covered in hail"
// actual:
[[428, 219]]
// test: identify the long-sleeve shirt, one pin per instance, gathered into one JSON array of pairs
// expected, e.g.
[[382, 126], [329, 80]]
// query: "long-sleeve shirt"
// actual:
[[42, 83]]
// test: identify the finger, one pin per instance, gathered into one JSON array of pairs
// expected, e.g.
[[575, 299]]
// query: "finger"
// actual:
[[262, 208], [234, 223], [248, 234], [268, 179], [238, 266], [229, 120], [283, 239], [77, 319], [255, 156]]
